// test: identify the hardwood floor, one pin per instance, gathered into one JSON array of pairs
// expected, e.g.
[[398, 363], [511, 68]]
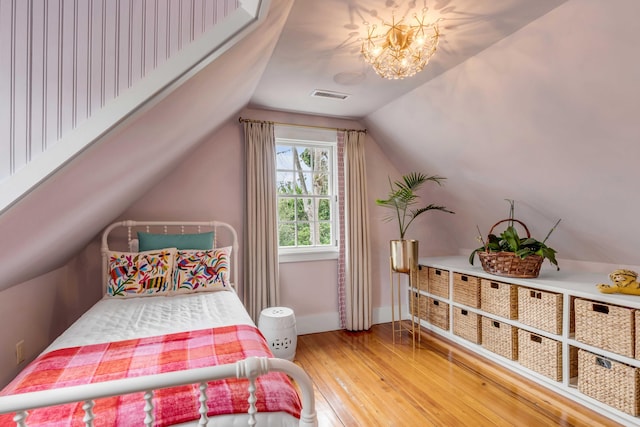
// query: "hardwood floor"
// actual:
[[363, 379]]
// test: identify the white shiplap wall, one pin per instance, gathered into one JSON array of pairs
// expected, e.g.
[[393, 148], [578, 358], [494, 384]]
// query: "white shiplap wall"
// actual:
[[65, 59]]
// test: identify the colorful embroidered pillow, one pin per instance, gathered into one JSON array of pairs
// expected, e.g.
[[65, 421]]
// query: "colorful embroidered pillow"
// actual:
[[196, 270], [151, 241], [134, 274]]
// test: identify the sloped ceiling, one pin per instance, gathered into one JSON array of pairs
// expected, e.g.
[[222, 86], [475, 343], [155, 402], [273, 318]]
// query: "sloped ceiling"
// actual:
[[60, 217], [320, 49]]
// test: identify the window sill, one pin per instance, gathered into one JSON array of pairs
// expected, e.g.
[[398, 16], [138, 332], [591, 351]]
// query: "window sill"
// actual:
[[307, 256]]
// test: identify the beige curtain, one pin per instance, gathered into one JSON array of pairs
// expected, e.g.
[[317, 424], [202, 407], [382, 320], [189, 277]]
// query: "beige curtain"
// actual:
[[356, 289], [260, 288]]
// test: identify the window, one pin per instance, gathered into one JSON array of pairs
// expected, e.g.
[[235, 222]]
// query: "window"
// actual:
[[306, 192]]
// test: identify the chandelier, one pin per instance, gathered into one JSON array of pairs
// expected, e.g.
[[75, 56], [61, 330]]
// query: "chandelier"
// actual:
[[402, 50]]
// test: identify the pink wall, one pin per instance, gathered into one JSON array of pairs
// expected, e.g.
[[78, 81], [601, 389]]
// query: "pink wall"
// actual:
[[209, 184], [39, 310], [547, 116]]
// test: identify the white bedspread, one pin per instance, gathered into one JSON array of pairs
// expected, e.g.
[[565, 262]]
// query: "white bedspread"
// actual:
[[115, 319]]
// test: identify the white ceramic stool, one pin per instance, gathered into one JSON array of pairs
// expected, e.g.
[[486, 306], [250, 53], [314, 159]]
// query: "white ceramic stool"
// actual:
[[278, 325]]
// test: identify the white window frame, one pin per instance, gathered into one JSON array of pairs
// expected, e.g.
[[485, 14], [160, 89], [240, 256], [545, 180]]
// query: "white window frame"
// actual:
[[310, 137]]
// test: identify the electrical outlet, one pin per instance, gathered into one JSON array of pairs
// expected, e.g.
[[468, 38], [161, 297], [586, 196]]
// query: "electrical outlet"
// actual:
[[19, 352]]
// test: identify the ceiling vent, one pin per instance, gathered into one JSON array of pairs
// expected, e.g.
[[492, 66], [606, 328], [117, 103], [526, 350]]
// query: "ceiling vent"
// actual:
[[329, 94]]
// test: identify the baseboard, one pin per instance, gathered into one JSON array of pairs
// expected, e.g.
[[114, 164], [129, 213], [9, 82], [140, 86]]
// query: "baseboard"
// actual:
[[325, 322], [315, 323]]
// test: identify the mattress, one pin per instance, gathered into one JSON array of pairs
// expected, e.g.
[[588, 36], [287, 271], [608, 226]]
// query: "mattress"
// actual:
[[116, 319]]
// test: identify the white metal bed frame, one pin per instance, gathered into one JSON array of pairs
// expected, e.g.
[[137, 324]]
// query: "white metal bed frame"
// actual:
[[166, 227], [250, 368]]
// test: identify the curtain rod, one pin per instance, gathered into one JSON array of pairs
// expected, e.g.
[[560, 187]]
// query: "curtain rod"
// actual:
[[241, 120]]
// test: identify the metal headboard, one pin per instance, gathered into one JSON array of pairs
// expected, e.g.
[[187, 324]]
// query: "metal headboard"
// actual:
[[121, 234]]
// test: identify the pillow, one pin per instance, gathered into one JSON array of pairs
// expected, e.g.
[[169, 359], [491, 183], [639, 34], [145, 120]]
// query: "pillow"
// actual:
[[150, 241], [134, 274], [197, 270]]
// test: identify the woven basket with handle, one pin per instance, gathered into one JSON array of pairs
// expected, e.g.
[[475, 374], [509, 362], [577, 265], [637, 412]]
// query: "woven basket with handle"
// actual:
[[508, 264]]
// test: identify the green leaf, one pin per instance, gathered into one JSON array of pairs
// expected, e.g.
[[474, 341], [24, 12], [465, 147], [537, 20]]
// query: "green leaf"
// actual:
[[550, 254], [494, 246], [431, 207], [473, 254], [510, 236], [528, 241], [524, 252]]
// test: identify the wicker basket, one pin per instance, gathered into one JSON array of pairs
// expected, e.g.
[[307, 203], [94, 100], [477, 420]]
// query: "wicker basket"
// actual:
[[499, 298], [508, 264], [542, 310], [439, 282], [466, 290], [638, 335], [419, 307], [438, 313], [423, 278], [540, 354], [605, 326], [466, 324], [573, 365], [500, 338], [610, 382]]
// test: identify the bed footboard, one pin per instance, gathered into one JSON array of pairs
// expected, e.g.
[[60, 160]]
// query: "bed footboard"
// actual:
[[250, 368]]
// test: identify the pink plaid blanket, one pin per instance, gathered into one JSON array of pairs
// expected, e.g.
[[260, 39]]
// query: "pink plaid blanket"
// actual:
[[147, 356]]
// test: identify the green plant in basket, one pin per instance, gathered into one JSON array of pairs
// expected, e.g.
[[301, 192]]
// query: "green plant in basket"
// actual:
[[510, 241]]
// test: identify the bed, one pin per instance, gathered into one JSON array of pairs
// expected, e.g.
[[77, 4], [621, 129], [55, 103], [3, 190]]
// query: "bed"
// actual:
[[170, 343]]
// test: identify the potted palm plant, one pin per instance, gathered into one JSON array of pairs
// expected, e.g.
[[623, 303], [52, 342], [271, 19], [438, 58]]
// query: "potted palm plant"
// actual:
[[402, 200]]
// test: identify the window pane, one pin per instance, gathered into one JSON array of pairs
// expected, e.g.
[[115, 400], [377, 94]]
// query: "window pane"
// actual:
[[304, 234], [303, 181], [324, 210], [284, 183], [321, 184], [286, 209], [325, 234], [305, 158], [286, 235], [321, 159], [304, 209], [284, 157]]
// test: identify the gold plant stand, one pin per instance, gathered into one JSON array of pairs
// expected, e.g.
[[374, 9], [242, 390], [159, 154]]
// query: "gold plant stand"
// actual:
[[397, 325]]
